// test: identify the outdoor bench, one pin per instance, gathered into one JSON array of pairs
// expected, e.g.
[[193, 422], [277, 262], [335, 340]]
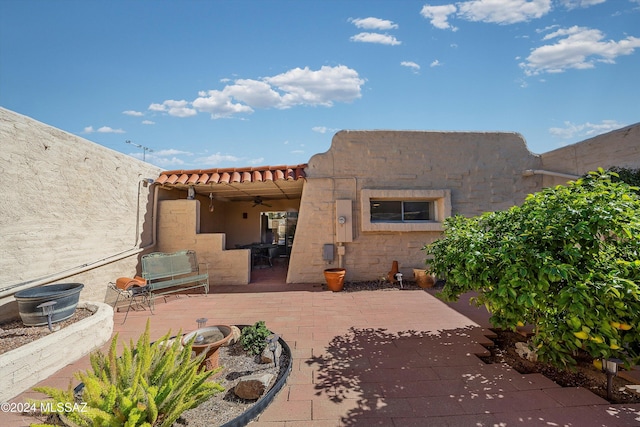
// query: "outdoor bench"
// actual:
[[167, 273]]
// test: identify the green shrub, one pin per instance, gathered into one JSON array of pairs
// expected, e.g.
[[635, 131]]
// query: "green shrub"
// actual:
[[567, 262], [630, 176], [253, 338], [149, 385]]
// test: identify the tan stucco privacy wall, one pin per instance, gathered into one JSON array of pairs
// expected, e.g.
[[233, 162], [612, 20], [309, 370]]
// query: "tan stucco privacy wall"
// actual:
[[620, 148], [76, 211], [69, 211], [480, 171]]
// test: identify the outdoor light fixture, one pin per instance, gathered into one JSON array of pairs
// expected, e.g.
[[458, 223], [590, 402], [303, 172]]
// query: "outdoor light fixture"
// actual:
[[610, 367], [399, 279], [191, 193], [202, 321], [272, 343], [47, 310]]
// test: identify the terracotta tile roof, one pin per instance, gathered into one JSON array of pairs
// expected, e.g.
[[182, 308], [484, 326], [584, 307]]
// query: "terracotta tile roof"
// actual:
[[232, 175]]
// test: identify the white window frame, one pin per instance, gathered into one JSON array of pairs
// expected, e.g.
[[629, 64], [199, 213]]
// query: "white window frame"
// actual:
[[441, 200]]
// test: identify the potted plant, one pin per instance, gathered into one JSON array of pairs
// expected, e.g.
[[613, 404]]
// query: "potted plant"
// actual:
[[335, 278], [423, 278]]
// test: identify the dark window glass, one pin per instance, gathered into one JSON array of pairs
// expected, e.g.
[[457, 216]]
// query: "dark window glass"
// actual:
[[399, 211], [386, 211], [416, 211]]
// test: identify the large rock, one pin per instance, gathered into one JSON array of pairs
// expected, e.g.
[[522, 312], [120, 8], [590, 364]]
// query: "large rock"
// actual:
[[267, 355], [252, 387]]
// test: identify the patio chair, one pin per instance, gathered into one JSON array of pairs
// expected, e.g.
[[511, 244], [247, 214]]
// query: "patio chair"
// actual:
[[136, 290]]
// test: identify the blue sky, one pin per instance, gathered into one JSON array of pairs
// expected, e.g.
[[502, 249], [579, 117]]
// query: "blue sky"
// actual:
[[208, 84]]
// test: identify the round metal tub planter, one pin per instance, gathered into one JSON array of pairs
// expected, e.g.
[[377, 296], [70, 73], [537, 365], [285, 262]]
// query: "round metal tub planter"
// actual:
[[65, 295]]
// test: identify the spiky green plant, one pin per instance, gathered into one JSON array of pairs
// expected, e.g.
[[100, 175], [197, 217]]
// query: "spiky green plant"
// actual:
[[148, 385]]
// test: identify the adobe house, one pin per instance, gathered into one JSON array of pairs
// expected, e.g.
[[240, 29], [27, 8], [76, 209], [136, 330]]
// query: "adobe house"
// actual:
[[373, 197], [80, 212]]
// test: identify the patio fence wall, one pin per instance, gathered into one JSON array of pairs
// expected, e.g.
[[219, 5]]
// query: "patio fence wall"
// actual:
[[68, 204]]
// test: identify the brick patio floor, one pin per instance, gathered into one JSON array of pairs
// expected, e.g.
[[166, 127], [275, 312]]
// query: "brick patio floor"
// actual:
[[374, 358]]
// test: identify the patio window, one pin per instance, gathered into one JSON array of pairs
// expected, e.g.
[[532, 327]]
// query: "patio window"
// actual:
[[404, 210], [401, 210]]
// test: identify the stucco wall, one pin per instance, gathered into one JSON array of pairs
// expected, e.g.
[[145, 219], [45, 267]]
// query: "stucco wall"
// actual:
[[483, 171], [618, 148], [68, 203], [179, 228]]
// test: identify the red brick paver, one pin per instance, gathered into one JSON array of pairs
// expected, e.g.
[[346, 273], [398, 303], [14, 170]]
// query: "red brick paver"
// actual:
[[375, 358]]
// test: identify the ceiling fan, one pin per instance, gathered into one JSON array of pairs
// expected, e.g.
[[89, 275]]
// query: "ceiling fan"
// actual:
[[258, 201]]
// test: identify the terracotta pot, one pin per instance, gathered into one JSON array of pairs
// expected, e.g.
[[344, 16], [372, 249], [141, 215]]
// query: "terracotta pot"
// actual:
[[335, 278], [391, 276], [208, 340], [423, 279]]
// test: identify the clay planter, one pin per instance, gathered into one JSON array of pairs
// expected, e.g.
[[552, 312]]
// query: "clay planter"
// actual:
[[335, 278], [209, 340], [423, 279]]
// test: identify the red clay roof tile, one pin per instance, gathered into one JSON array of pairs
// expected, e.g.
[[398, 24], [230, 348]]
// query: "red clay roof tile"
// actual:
[[228, 175]]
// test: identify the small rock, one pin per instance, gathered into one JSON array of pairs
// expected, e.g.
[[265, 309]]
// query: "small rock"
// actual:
[[267, 355], [252, 387], [235, 335], [526, 352]]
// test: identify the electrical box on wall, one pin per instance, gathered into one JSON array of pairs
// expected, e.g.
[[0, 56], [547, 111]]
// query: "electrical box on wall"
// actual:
[[344, 221], [328, 252]]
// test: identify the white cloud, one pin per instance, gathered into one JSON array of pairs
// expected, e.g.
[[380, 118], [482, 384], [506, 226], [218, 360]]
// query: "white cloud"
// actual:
[[577, 48], [573, 4], [586, 130], [258, 94], [302, 86], [410, 64], [375, 38], [172, 152], [216, 159], [219, 104], [299, 86], [103, 129], [174, 108], [373, 23], [439, 15], [160, 161], [148, 122], [257, 161], [435, 63], [133, 113], [503, 11], [107, 129], [322, 129]]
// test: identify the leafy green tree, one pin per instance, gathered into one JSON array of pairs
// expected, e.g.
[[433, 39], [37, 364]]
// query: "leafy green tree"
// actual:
[[567, 261], [630, 176]]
